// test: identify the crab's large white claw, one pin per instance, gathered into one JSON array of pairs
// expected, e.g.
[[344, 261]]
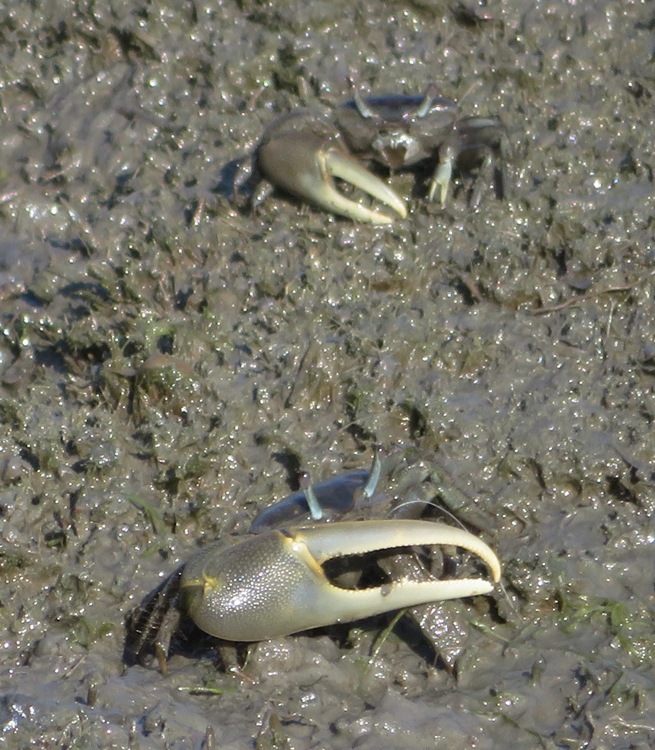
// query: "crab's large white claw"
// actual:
[[304, 156], [274, 584]]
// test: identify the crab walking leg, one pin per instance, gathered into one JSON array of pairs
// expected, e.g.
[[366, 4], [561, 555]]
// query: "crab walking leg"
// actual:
[[304, 165], [273, 584]]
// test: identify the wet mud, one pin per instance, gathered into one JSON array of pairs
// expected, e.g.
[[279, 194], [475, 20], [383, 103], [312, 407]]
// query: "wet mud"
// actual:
[[170, 364]]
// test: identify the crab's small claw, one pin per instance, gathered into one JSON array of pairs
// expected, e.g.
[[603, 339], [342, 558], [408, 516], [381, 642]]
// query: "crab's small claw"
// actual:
[[474, 138], [274, 584], [303, 154]]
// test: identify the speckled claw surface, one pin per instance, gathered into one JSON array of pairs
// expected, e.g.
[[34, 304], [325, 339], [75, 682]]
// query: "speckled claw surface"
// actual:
[[274, 584], [303, 154]]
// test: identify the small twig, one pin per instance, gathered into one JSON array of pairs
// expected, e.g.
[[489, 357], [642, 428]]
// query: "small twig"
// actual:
[[590, 295]]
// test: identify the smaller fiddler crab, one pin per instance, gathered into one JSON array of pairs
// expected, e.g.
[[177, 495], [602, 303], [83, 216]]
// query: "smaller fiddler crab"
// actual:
[[290, 574], [303, 153]]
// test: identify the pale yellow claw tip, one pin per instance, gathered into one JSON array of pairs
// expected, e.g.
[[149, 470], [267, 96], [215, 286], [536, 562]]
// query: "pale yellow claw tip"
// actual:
[[340, 165], [357, 537]]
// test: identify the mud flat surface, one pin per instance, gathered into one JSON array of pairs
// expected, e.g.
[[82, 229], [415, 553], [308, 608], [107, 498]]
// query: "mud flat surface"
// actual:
[[169, 364]]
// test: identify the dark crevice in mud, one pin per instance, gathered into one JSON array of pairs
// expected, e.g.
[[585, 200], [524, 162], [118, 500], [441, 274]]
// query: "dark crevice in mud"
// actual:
[[361, 436], [408, 630], [620, 491], [292, 465]]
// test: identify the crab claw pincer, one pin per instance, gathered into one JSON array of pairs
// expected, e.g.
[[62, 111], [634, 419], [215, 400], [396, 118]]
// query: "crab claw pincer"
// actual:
[[303, 154], [275, 584]]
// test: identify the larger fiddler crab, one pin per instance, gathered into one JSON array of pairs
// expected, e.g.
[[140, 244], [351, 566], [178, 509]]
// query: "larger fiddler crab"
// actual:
[[293, 574], [303, 153]]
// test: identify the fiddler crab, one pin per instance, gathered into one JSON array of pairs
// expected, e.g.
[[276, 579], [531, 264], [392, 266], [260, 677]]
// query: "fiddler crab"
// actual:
[[303, 153], [289, 575]]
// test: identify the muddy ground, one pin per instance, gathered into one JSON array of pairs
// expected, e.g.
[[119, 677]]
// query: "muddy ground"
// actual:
[[170, 363]]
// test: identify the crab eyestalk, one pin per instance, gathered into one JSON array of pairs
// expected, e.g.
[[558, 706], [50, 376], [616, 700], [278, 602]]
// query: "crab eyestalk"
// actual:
[[424, 108], [311, 496]]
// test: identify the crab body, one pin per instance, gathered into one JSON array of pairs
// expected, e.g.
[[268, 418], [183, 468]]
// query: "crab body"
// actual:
[[282, 580], [396, 131], [302, 152]]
